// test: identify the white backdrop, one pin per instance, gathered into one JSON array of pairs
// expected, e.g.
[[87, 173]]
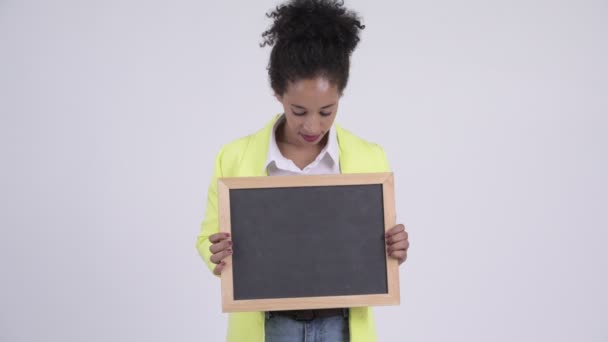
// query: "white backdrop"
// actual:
[[493, 116]]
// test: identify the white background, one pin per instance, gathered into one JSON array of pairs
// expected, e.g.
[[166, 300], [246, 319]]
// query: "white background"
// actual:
[[493, 116]]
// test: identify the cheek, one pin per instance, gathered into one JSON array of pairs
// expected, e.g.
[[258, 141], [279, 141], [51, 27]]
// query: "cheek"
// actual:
[[294, 124], [328, 122]]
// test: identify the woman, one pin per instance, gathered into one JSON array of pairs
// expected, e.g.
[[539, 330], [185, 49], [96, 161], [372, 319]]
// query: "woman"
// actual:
[[308, 69]]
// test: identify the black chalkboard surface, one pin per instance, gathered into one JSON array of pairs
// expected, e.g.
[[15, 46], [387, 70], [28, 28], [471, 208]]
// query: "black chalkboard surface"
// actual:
[[304, 242]]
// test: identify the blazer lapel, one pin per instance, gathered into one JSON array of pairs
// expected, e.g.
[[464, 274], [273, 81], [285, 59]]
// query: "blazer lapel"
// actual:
[[254, 157]]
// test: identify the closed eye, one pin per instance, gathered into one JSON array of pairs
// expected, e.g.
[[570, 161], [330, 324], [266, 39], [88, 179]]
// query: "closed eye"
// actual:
[[304, 113]]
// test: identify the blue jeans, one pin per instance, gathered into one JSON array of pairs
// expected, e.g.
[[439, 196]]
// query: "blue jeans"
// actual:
[[285, 329]]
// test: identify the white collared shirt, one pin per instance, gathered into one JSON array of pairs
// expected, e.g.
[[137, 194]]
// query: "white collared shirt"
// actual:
[[327, 162]]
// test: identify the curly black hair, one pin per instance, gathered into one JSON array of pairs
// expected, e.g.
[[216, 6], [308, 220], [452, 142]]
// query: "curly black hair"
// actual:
[[311, 38]]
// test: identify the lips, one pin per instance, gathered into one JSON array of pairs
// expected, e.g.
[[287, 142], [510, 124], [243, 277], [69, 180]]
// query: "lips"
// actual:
[[310, 138]]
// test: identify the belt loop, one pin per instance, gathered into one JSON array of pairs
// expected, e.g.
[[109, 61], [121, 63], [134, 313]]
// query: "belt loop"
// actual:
[[267, 314], [345, 313]]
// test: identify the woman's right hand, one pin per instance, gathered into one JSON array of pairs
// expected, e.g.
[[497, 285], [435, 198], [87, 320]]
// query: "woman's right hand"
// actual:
[[220, 248]]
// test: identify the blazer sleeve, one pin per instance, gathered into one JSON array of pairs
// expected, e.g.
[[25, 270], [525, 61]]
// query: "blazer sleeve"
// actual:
[[210, 224]]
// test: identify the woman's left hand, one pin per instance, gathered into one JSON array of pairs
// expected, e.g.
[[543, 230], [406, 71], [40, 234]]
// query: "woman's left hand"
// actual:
[[397, 243]]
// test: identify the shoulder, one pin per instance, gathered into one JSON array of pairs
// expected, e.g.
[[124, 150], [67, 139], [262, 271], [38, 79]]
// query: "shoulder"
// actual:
[[246, 150], [349, 140], [233, 151], [236, 146], [359, 154]]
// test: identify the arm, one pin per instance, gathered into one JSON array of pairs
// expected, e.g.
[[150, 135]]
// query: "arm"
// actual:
[[397, 239], [210, 224]]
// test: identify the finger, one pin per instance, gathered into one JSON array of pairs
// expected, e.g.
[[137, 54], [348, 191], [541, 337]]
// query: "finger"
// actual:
[[399, 255], [395, 230], [401, 245], [220, 246], [218, 257], [219, 268], [217, 237], [401, 261], [397, 237]]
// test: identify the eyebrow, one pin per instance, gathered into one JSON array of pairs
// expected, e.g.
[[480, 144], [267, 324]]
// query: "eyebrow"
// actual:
[[301, 107]]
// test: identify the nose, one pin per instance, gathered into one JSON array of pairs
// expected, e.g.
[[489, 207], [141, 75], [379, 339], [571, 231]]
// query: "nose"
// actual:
[[312, 125]]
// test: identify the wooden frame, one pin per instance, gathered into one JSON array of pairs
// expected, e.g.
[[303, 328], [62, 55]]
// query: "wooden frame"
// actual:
[[231, 305]]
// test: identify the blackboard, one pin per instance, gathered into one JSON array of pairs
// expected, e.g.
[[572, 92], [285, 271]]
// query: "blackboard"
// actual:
[[303, 242]]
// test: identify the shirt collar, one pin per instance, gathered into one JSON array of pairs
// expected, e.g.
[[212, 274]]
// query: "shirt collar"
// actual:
[[275, 155]]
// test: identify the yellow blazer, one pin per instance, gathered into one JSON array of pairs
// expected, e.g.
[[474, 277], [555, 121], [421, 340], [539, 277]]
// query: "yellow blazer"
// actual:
[[245, 157]]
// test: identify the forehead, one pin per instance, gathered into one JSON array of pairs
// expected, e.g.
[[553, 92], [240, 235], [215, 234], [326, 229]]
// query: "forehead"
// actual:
[[316, 91]]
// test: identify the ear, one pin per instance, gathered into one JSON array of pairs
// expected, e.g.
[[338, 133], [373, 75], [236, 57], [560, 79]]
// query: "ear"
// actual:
[[279, 97]]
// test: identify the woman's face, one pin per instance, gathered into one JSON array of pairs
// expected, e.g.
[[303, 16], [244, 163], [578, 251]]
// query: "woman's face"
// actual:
[[310, 109]]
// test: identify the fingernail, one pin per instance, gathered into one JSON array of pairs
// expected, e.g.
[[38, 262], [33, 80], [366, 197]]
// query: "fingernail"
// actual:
[[223, 263], [227, 234], [230, 251], [229, 243]]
